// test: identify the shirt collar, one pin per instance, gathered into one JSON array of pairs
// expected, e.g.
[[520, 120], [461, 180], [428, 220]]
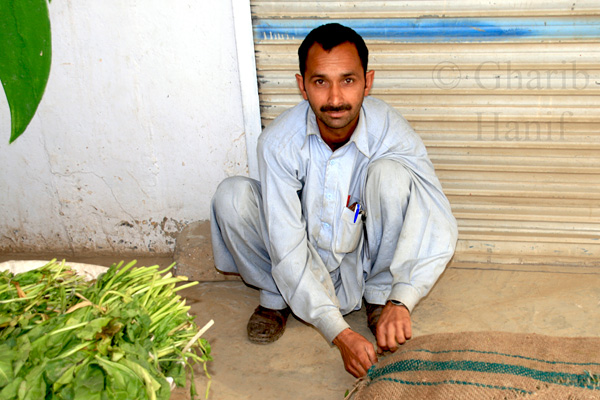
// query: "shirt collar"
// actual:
[[360, 137]]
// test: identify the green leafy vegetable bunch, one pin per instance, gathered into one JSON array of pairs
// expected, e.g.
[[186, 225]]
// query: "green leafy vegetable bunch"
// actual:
[[125, 335]]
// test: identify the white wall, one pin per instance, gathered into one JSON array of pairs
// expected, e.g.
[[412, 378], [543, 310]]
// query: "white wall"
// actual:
[[141, 119]]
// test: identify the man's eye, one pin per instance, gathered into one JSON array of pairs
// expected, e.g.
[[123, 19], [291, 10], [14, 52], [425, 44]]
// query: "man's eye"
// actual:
[[319, 82], [349, 80]]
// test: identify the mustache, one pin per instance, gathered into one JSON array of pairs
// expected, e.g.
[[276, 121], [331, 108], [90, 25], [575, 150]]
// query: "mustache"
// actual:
[[343, 107]]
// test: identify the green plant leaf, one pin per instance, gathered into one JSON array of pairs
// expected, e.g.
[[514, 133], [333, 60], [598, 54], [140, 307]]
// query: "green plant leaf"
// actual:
[[26, 49], [89, 383], [10, 391], [93, 327], [35, 388], [6, 367]]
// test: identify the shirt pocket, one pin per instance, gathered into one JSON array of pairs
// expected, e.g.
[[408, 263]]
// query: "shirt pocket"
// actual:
[[349, 232]]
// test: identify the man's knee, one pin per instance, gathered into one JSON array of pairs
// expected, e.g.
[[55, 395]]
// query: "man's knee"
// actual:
[[390, 179], [235, 198]]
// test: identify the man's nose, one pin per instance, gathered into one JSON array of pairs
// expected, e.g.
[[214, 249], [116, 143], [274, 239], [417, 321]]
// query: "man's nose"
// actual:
[[335, 95]]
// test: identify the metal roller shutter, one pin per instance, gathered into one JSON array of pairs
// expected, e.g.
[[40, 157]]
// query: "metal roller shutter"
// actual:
[[505, 97]]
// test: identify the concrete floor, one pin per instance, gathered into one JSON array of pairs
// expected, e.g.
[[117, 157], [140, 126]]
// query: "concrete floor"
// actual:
[[302, 365]]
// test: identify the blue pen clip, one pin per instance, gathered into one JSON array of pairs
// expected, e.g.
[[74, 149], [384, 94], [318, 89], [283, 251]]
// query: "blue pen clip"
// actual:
[[357, 212]]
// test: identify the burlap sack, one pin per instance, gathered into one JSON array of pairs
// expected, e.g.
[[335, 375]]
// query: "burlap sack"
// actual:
[[486, 365]]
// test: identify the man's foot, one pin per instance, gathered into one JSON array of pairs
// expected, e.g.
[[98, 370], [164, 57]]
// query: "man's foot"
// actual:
[[266, 325], [373, 314]]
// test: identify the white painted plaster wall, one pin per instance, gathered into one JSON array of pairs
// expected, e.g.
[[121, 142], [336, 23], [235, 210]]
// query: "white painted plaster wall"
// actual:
[[141, 119]]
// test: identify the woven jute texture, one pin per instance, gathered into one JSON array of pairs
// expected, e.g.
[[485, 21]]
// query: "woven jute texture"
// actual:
[[486, 365]]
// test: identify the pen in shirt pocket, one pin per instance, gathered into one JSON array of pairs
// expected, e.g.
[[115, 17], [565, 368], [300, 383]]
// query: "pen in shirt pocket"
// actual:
[[359, 211], [350, 205], [356, 212], [354, 207]]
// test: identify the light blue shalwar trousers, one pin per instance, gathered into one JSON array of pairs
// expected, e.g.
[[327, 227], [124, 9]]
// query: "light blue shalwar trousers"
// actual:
[[240, 238]]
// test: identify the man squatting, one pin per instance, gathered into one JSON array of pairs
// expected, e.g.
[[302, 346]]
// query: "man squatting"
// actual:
[[348, 207]]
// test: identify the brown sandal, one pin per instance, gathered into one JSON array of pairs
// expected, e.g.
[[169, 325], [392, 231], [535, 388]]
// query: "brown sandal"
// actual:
[[266, 325]]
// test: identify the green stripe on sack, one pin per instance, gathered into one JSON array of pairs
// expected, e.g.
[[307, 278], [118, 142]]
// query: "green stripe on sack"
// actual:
[[560, 378], [455, 382], [503, 355]]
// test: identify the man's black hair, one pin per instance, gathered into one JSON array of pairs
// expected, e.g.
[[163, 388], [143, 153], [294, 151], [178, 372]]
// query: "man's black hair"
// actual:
[[330, 36]]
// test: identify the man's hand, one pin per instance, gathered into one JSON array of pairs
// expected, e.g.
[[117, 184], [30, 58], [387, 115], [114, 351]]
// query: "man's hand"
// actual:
[[393, 327], [357, 352]]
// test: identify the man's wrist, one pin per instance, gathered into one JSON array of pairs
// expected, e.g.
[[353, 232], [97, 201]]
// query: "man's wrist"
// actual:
[[398, 303], [341, 336]]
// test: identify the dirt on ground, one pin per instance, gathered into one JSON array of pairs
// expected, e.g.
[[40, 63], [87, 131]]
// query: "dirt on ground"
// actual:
[[302, 365]]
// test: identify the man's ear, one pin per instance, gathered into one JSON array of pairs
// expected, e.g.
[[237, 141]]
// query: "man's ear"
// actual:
[[300, 81], [369, 78]]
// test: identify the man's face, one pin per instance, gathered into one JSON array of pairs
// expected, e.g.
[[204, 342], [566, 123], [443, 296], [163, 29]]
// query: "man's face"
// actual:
[[335, 85]]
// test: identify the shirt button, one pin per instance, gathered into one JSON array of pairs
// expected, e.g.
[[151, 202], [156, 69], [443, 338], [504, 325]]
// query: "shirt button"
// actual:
[[332, 162], [326, 225], [329, 196]]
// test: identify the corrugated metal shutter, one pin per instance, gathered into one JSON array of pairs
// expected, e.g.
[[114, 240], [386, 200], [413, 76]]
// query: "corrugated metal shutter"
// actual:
[[505, 96]]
